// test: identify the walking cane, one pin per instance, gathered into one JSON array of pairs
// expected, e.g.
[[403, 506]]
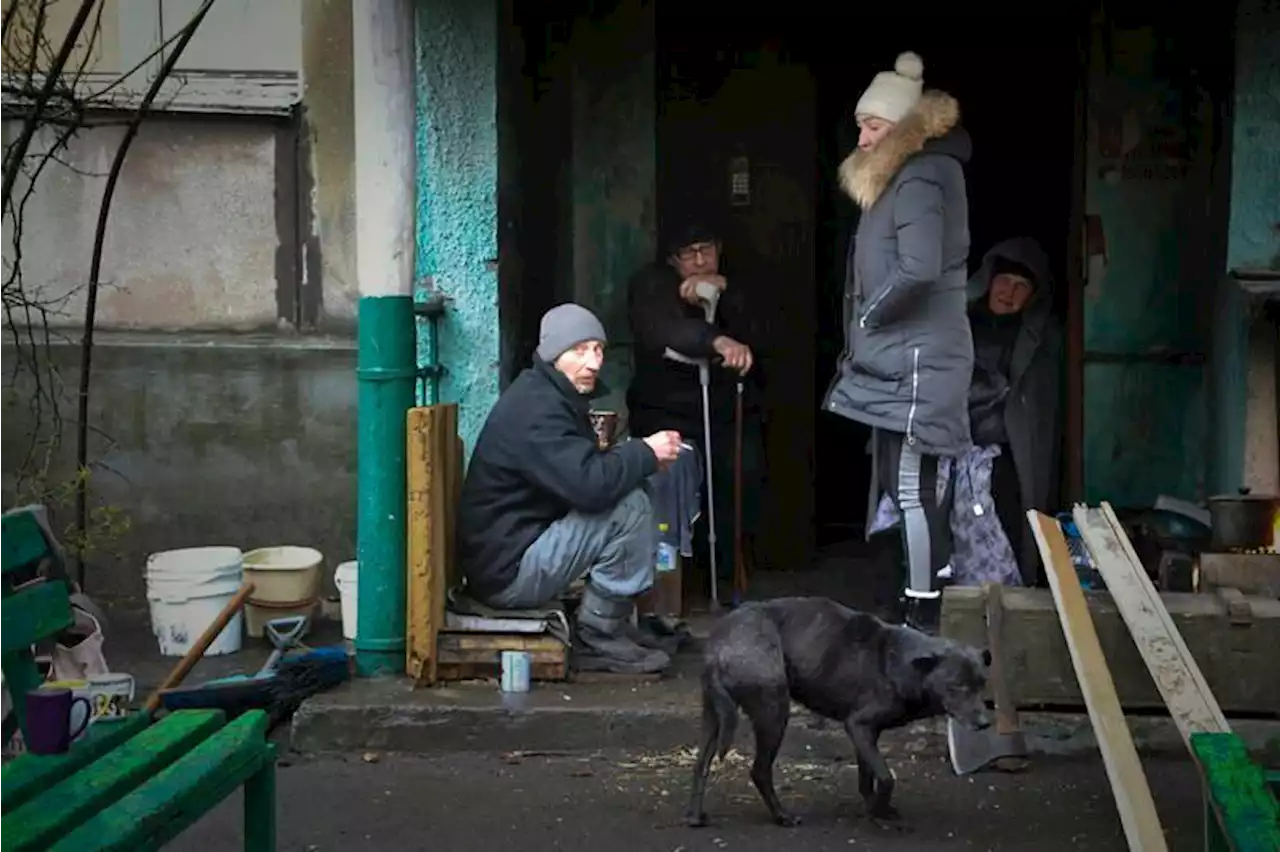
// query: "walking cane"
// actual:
[[739, 566], [710, 297]]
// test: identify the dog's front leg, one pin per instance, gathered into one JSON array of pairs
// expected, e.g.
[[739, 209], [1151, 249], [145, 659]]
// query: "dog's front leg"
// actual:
[[875, 779]]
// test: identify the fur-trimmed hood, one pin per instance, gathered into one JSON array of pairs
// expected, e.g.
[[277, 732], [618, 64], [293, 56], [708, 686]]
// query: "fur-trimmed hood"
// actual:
[[933, 125]]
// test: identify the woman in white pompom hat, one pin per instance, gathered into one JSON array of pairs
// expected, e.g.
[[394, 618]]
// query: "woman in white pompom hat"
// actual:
[[908, 355]]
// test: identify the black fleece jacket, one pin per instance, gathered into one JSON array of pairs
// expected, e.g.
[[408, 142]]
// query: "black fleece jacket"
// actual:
[[535, 460]]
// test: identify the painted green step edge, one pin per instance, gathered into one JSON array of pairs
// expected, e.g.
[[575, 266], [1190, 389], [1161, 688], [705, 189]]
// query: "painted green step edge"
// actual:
[[70, 802], [1248, 812], [180, 794], [28, 774]]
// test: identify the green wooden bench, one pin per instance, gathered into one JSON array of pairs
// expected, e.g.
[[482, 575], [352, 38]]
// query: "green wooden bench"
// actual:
[[1241, 813], [128, 784]]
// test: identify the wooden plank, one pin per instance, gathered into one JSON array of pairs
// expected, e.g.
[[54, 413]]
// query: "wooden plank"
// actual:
[[1182, 686], [180, 794], [65, 805], [33, 613], [444, 440], [419, 635], [544, 672], [1124, 769], [499, 641], [28, 774], [470, 656], [21, 541], [1039, 667], [1242, 814], [432, 436]]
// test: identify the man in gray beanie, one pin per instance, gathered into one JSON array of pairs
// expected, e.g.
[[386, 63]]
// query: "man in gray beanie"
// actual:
[[542, 505]]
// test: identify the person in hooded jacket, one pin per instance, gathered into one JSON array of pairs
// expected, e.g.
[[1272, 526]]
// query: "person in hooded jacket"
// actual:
[[1017, 378], [908, 356]]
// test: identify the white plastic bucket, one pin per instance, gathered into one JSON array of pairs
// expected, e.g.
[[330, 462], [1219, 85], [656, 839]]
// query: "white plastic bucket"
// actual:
[[186, 589], [345, 579]]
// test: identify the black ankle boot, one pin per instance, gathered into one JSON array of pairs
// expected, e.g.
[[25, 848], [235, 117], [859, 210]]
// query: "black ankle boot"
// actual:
[[924, 614]]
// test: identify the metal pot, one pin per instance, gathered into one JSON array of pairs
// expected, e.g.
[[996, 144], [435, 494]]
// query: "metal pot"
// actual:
[[1243, 521]]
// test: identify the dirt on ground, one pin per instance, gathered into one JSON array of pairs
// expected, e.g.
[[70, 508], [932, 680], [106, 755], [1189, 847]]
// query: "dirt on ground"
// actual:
[[635, 801]]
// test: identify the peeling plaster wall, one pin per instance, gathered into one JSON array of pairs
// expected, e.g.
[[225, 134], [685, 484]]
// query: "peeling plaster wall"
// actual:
[[329, 250], [457, 239], [192, 238], [614, 173], [1253, 241]]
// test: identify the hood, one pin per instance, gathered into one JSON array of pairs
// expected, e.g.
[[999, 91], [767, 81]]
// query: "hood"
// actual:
[[1023, 251], [933, 126]]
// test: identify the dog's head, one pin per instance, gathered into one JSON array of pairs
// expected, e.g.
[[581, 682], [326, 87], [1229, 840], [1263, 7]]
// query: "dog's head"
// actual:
[[954, 676]]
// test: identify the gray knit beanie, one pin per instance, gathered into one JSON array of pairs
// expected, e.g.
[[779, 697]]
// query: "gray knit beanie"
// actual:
[[564, 327]]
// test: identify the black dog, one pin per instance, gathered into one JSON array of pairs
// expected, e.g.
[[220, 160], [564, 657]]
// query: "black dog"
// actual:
[[840, 664]]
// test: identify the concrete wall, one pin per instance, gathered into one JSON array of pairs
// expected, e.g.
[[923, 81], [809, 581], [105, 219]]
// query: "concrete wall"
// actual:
[[223, 392], [1243, 400], [614, 172], [1151, 156], [194, 230], [206, 440]]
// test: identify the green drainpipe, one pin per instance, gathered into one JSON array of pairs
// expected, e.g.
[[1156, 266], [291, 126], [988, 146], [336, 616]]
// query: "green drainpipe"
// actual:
[[386, 372]]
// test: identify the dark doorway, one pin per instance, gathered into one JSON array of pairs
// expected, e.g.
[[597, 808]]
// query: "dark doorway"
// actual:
[[777, 86]]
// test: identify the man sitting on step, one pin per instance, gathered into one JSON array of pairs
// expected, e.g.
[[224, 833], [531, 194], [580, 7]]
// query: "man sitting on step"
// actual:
[[542, 505]]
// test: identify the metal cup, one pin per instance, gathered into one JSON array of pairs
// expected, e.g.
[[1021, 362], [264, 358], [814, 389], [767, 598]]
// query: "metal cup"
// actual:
[[605, 425]]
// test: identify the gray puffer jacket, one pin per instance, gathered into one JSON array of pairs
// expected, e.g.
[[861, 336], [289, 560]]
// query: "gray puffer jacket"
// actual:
[[908, 354]]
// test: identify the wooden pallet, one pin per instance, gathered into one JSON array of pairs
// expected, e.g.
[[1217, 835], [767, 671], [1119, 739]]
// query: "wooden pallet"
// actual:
[[470, 656]]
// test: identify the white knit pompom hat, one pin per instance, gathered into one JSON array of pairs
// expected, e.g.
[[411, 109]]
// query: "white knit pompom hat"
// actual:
[[893, 94]]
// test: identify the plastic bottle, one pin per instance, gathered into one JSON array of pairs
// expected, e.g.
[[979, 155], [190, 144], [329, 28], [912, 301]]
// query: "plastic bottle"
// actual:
[[666, 552]]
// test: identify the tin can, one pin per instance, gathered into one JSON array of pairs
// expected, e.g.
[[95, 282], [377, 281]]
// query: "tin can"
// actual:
[[515, 671]]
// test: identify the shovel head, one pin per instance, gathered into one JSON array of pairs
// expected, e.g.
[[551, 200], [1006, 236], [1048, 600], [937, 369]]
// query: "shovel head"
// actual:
[[973, 750]]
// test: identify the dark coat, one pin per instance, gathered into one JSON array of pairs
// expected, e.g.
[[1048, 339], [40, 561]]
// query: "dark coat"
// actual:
[[908, 352], [665, 394], [536, 460], [1026, 395]]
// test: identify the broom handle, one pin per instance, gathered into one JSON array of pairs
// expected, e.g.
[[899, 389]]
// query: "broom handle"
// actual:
[[196, 652]]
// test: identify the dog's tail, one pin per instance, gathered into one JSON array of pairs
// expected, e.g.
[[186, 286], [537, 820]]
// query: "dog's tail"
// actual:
[[718, 705]]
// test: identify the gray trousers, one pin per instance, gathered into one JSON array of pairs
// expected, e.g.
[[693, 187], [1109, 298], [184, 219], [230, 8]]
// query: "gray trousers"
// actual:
[[617, 547]]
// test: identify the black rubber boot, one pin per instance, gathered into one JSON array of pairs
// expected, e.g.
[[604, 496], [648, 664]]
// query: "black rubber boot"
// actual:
[[605, 640]]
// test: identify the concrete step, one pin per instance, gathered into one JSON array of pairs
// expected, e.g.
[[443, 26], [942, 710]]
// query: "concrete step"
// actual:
[[388, 715]]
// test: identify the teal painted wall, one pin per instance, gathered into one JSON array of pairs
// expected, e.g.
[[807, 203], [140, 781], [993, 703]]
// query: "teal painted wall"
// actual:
[[457, 225], [613, 172], [1149, 166], [1253, 236]]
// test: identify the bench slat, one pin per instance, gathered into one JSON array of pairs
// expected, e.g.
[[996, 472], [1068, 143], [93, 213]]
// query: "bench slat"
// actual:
[[180, 794], [1247, 812], [33, 613], [65, 805], [21, 541], [29, 774]]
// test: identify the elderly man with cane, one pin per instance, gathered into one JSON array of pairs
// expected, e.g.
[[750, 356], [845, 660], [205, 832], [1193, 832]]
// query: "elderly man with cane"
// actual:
[[695, 373]]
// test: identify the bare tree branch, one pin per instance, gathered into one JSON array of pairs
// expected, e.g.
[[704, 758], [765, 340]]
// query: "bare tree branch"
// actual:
[[54, 97], [95, 267]]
